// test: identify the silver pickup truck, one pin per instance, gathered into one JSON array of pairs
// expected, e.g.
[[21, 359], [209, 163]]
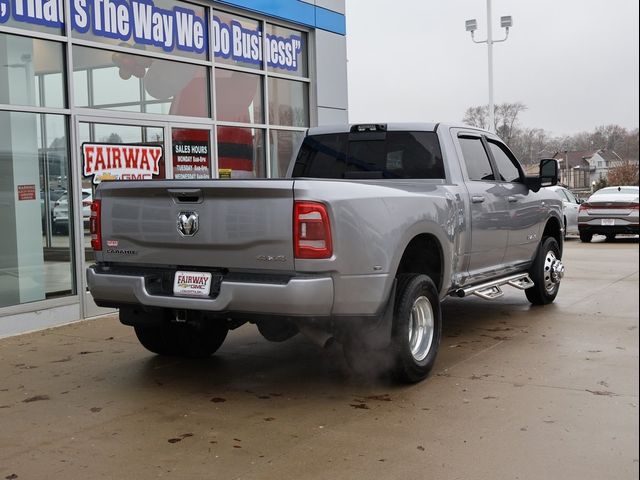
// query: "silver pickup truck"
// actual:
[[372, 228]]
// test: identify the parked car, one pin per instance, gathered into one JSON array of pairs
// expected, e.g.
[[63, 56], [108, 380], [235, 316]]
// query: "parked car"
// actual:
[[54, 195], [570, 205], [60, 222], [609, 211]]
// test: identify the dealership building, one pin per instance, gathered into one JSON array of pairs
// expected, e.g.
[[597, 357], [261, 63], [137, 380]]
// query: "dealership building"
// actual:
[[96, 90]]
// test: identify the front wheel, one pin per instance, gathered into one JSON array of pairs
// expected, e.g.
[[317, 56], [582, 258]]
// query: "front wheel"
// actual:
[[417, 328], [546, 272]]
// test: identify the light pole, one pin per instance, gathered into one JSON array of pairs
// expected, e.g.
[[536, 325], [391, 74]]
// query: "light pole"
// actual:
[[472, 26]]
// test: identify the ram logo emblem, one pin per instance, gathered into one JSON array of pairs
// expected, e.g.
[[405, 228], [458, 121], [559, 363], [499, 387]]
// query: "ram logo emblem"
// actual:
[[188, 223]]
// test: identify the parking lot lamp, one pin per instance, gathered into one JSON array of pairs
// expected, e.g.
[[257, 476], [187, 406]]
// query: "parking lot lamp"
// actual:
[[506, 22]]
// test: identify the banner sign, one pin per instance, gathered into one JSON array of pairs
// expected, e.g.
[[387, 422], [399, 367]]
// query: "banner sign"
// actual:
[[191, 159], [141, 22], [106, 161], [245, 45]]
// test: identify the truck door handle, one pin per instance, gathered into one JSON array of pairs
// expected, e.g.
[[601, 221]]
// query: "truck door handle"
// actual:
[[477, 199], [512, 199]]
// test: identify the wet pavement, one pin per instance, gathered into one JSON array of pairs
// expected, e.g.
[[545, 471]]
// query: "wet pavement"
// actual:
[[518, 392]]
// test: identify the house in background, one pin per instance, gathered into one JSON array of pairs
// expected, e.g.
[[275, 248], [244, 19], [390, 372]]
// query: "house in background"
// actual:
[[575, 169]]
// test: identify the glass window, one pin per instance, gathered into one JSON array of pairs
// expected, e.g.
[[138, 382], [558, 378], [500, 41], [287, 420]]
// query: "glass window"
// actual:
[[36, 262], [284, 145], [119, 81], [164, 26], [191, 153], [288, 103], [31, 72], [238, 97], [570, 196], [371, 155], [236, 40], [476, 159], [507, 168], [240, 152], [286, 51], [22, 14]]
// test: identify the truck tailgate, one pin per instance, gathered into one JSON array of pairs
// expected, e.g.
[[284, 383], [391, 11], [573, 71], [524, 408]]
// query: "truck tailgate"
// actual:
[[242, 224]]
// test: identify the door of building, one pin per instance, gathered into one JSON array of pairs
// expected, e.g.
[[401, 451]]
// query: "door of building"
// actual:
[[101, 145]]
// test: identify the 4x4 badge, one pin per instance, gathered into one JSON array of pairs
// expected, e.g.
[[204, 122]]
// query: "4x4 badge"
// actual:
[[188, 223]]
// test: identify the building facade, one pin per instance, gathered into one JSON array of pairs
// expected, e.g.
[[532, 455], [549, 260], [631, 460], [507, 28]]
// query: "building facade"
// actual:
[[95, 90]]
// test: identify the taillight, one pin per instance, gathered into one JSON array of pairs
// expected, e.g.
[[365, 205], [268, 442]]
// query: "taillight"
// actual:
[[584, 207], [94, 225], [311, 231]]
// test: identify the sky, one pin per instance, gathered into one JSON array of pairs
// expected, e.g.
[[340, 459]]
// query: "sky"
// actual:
[[573, 63]]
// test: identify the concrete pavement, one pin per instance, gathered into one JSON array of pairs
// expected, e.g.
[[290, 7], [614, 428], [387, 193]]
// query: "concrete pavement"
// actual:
[[517, 393]]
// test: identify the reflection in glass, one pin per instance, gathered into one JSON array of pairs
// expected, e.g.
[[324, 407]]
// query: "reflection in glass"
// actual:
[[120, 81], [288, 103], [35, 262], [31, 72], [283, 147], [240, 152], [238, 97]]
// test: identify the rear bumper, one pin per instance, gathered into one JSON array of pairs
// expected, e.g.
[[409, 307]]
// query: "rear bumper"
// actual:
[[299, 296], [609, 230]]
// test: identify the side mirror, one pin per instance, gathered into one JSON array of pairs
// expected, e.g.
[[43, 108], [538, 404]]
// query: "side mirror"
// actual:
[[548, 172]]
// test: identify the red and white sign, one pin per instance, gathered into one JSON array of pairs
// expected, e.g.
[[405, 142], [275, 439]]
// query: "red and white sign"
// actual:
[[120, 161], [26, 192], [193, 284]]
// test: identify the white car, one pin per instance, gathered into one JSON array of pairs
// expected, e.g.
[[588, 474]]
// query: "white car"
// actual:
[[570, 206], [61, 211]]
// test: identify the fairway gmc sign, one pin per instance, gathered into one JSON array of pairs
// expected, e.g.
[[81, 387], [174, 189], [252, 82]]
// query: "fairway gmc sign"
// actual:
[[106, 161]]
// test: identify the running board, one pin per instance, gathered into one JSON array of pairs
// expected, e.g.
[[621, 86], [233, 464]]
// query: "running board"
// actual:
[[491, 290]]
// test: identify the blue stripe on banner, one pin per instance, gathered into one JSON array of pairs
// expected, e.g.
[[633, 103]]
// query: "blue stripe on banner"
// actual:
[[330, 21], [295, 11]]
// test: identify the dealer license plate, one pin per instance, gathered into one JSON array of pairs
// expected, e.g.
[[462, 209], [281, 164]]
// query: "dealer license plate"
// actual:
[[608, 222], [192, 284]]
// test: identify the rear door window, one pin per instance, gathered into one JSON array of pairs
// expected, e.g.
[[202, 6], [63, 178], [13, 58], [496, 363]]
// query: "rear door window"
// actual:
[[393, 154]]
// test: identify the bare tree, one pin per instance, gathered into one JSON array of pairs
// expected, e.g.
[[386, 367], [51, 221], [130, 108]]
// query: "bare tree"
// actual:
[[505, 118], [477, 116], [506, 115]]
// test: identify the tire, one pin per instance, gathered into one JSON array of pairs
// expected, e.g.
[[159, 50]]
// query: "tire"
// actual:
[[546, 272], [417, 305], [191, 340], [586, 237]]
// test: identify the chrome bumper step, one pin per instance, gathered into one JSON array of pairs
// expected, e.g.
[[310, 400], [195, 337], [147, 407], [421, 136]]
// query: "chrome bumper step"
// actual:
[[491, 290]]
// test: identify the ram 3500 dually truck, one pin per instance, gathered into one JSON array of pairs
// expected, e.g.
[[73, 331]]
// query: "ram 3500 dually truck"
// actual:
[[372, 228]]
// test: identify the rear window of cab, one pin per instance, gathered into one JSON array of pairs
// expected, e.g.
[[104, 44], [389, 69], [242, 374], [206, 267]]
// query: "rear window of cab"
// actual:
[[362, 155]]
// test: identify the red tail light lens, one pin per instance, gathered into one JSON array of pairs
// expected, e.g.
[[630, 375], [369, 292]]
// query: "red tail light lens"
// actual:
[[311, 231], [584, 207], [95, 227]]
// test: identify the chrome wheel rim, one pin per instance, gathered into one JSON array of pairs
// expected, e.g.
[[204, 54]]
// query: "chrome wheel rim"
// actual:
[[421, 328], [553, 272]]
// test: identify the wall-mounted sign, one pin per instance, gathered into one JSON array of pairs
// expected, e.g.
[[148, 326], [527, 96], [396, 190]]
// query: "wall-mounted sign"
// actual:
[[26, 192], [105, 161], [234, 41], [141, 23], [191, 159]]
